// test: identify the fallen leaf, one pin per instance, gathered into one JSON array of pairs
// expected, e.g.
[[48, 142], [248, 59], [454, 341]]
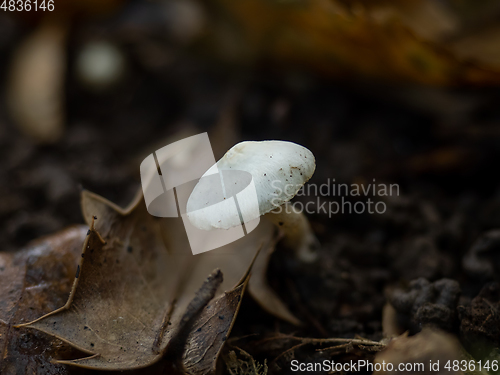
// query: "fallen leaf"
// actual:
[[210, 331], [34, 281], [259, 288], [122, 289], [130, 293], [233, 259], [199, 342]]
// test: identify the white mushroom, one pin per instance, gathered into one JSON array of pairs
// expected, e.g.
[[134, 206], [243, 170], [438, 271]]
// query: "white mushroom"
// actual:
[[263, 176]]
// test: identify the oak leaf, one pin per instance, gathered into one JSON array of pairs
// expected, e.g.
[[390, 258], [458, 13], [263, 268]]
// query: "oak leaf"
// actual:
[[128, 305]]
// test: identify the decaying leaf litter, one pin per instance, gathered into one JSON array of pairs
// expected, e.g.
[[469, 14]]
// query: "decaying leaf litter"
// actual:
[[126, 288]]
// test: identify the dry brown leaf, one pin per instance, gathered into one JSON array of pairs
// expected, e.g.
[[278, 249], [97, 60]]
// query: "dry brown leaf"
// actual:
[[130, 294], [198, 344], [123, 288], [262, 293], [35, 281], [210, 330], [35, 91], [209, 334], [233, 259]]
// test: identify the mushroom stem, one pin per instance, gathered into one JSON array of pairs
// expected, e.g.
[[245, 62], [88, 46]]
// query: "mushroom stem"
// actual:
[[297, 231]]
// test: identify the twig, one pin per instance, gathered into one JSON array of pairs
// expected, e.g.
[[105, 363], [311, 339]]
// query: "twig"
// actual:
[[307, 340]]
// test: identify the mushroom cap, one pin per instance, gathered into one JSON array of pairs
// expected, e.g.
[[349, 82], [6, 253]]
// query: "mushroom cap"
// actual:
[[275, 170]]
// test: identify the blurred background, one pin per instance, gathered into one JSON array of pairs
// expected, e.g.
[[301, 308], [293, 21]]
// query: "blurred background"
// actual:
[[405, 92]]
